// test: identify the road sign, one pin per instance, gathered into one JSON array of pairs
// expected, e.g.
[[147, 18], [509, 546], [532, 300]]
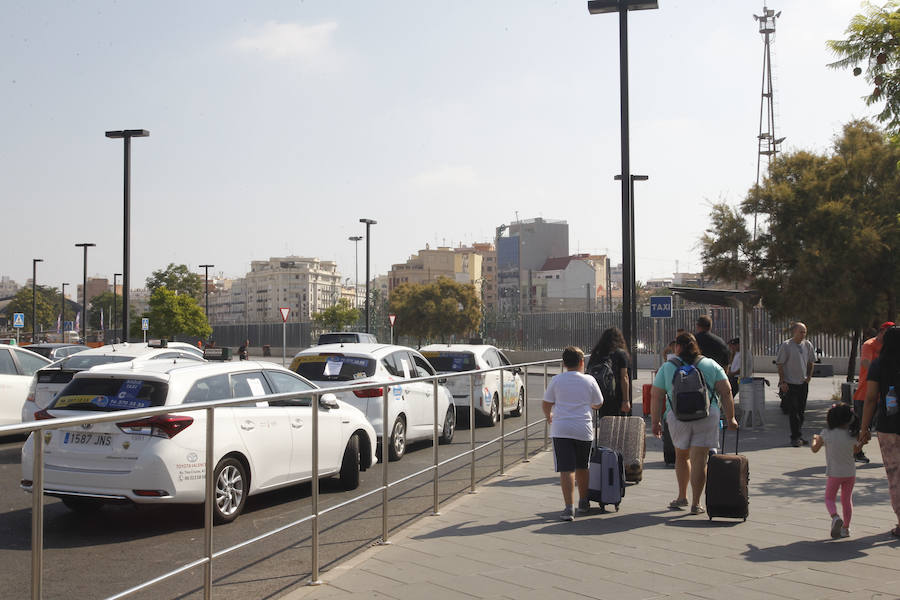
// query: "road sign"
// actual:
[[392, 318], [284, 313], [18, 319], [145, 324], [661, 307]]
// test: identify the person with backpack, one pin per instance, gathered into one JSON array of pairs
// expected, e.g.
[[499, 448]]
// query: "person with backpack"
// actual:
[[698, 394], [608, 365]]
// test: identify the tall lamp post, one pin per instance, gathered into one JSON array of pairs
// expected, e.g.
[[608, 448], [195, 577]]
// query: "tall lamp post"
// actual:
[[115, 297], [34, 262], [369, 223], [631, 282], [62, 312], [622, 7], [355, 239], [126, 135], [206, 288], [84, 298]]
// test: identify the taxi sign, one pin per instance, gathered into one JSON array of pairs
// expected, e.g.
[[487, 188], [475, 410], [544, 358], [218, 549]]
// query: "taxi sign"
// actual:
[[661, 307], [18, 319], [217, 353], [284, 313]]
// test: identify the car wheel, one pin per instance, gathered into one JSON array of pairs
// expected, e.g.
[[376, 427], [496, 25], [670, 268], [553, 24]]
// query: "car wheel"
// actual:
[[350, 465], [495, 411], [231, 483], [398, 440], [82, 505], [449, 426], [517, 411]]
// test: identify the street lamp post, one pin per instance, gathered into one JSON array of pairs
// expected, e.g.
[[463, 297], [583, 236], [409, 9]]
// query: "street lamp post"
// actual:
[[115, 297], [622, 7], [62, 312], [369, 223], [34, 262], [84, 299], [355, 239], [206, 288], [126, 135], [631, 281]]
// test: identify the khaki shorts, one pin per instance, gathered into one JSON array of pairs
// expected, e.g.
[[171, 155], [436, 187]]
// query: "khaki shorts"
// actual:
[[702, 433]]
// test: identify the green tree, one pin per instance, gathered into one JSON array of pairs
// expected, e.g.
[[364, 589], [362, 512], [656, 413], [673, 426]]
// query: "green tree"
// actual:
[[435, 310], [872, 49], [48, 304], [177, 278], [335, 318], [174, 314], [105, 302]]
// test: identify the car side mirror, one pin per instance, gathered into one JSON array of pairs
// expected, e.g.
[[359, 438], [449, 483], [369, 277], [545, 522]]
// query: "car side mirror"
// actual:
[[516, 370], [442, 380], [329, 401]]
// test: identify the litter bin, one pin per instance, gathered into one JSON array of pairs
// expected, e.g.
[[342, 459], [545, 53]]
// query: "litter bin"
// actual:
[[267, 350], [753, 401]]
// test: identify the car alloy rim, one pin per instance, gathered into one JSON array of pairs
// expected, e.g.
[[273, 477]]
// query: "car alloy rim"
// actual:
[[495, 412], [399, 440], [449, 422], [229, 490]]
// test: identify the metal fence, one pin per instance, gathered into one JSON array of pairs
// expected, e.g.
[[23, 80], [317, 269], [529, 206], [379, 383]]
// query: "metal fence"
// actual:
[[38, 428]]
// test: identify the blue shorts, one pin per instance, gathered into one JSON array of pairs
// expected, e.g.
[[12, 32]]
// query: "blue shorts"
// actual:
[[569, 454]]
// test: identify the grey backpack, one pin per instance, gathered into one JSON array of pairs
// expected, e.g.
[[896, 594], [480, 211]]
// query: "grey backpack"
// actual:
[[690, 396]]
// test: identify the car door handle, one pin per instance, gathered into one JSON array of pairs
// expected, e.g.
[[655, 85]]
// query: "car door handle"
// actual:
[[248, 425], [297, 424]]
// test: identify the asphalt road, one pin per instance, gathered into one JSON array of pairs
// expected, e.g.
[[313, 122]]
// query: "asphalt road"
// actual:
[[96, 556]]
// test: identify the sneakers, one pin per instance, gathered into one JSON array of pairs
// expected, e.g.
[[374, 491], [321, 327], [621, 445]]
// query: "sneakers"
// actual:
[[836, 525], [796, 443], [860, 457], [697, 510], [804, 442], [678, 504], [584, 507], [567, 515], [845, 532]]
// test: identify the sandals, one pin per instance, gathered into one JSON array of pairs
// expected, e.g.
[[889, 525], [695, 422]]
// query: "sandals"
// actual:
[[697, 510], [678, 504]]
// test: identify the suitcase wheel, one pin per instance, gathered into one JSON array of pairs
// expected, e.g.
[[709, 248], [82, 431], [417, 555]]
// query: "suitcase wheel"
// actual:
[[617, 508]]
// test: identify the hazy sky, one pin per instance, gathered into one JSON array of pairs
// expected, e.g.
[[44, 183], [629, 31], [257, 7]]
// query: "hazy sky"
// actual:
[[275, 126]]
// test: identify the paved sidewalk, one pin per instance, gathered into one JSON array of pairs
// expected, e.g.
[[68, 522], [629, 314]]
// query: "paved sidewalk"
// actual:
[[507, 542]]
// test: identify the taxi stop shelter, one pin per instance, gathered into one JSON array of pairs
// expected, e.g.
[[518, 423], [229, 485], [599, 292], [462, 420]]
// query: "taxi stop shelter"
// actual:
[[752, 390]]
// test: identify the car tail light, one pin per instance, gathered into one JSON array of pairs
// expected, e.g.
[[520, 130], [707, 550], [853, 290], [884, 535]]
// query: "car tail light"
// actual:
[[162, 426], [42, 415], [369, 393], [151, 493]]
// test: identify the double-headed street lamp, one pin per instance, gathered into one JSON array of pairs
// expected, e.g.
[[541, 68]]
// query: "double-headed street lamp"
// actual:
[[115, 297], [622, 7], [84, 298], [206, 287], [355, 239], [34, 262], [62, 312], [126, 134], [369, 223]]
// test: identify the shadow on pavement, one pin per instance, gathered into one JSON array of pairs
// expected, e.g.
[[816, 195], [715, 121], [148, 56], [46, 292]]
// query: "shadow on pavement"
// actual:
[[824, 550]]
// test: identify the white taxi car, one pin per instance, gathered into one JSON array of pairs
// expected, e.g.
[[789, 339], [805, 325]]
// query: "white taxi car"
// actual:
[[410, 405], [457, 358], [51, 379], [17, 369], [259, 446]]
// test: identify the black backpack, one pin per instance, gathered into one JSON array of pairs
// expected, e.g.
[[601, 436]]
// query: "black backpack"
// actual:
[[603, 374], [690, 396]]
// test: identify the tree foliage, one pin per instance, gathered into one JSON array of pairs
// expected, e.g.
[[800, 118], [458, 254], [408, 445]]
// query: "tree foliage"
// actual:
[[335, 318], [828, 252], [48, 301], [177, 278], [872, 49], [435, 310], [174, 314]]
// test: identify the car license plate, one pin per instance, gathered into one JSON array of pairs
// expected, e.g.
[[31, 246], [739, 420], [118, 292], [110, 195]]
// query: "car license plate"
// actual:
[[80, 438]]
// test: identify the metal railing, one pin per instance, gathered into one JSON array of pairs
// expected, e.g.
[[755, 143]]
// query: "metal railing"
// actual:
[[37, 428]]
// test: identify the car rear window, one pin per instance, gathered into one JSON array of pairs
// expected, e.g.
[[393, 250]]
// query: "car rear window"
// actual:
[[42, 350], [333, 367], [338, 338], [446, 362], [109, 395], [80, 363]]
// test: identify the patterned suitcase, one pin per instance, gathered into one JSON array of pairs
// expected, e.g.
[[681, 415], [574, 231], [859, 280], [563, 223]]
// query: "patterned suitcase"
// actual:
[[727, 480], [626, 436]]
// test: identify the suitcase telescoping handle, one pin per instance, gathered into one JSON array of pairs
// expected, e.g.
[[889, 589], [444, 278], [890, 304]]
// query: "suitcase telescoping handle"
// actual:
[[737, 436]]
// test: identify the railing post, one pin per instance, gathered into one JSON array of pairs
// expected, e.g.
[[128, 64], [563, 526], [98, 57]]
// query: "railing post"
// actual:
[[472, 434], [208, 502], [546, 426], [314, 577], [525, 415], [37, 514], [385, 440], [436, 510], [502, 426]]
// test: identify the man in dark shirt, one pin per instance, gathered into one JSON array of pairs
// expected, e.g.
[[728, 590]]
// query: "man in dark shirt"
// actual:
[[711, 345]]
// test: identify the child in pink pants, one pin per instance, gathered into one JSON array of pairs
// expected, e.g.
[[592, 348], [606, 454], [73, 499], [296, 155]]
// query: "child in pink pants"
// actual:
[[840, 448]]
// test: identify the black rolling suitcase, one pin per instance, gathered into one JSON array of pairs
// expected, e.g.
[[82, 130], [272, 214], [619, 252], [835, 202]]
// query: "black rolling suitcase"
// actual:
[[668, 446], [727, 479], [606, 474]]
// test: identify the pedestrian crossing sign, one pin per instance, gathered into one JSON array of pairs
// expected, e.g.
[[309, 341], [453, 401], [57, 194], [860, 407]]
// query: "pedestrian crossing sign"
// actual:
[[18, 319]]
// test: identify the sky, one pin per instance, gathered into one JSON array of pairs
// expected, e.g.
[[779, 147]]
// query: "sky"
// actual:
[[275, 125]]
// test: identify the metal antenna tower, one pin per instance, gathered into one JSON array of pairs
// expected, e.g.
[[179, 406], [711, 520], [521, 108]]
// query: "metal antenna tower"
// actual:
[[766, 140]]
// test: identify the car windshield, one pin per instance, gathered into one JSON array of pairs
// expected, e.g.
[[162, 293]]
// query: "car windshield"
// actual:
[[446, 362], [333, 367], [338, 338], [108, 395], [77, 362]]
